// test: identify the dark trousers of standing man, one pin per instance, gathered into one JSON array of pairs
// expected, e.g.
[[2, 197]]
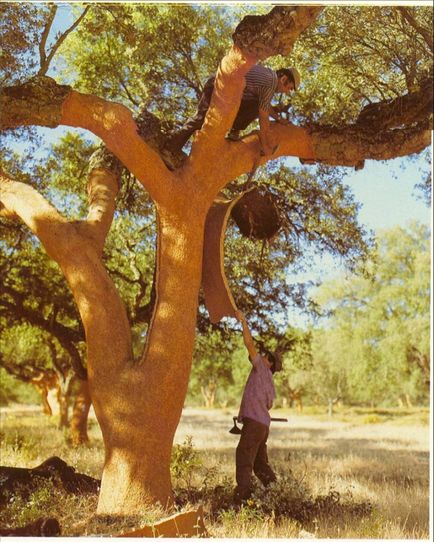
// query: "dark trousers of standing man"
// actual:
[[251, 456], [247, 113]]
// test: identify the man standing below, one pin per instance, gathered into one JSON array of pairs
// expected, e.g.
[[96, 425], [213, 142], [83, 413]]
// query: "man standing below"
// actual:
[[258, 396], [261, 84]]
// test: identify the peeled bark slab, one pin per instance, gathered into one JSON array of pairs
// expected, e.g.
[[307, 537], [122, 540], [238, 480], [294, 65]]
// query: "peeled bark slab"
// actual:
[[256, 214], [184, 524], [24, 481], [40, 527], [218, 298]]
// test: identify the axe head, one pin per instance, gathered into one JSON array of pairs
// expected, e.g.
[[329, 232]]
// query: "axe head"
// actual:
[[235, 430]]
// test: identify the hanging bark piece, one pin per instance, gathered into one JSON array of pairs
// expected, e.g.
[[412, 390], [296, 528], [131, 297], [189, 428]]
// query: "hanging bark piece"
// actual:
[[256, 214], [218, 298], [183, 524]]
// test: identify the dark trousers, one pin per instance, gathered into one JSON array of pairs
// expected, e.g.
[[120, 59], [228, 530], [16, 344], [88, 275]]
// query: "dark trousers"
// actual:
[[247, 113], [251, 455]]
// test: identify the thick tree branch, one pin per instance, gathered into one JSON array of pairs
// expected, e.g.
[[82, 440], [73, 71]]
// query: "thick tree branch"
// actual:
[[95, 294], [276, 32], [21, 200], [37, 102], [406, 110], [102, 188], [350, 146], [44, 103], [256, 37]]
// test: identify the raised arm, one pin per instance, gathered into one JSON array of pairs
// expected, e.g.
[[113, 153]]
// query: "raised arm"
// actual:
[[247, 336], [264, 132]]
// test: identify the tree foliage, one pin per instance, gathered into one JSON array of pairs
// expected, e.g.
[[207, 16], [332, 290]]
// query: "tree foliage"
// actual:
[[377, 340]]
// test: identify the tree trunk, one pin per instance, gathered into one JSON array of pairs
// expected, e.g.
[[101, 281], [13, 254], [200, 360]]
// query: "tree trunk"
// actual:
[[208, 394], [46, 408], [63, 396], [80, 413], [63, 401], [138, 428]]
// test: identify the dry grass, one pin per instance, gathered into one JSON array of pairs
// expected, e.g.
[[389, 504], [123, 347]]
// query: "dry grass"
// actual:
[[385, 463]]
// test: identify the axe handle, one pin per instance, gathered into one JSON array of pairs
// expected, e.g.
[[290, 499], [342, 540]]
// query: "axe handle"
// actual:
[[272, 419]]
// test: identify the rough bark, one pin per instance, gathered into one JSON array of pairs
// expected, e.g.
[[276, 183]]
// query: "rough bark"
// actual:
[[350, 146], [37, 102], [276, 32], [404, 111]]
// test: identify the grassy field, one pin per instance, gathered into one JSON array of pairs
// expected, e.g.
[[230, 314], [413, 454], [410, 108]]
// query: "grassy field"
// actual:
[[362, 474]]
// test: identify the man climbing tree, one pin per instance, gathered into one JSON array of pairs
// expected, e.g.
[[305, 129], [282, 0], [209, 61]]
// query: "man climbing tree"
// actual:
[[261, 84], [138, 402]]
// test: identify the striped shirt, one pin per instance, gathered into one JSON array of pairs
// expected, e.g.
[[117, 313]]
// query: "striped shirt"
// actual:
[[258, 394], [261, 83]]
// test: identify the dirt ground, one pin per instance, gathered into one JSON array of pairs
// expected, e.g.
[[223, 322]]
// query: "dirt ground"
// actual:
[[210, 429], [380, 459]]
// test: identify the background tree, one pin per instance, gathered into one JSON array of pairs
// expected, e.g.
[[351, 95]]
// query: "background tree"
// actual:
[[379, 325], [212, 366], [127, 394], [293, 382]]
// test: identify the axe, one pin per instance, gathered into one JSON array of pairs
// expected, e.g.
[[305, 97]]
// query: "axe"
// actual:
[[235, 430]]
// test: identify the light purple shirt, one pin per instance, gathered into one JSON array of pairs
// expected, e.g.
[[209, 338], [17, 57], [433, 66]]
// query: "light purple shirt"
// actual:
[[258, 393]]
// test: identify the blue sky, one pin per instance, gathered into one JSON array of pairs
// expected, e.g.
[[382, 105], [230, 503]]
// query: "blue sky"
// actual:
[[388, 198]]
